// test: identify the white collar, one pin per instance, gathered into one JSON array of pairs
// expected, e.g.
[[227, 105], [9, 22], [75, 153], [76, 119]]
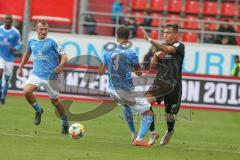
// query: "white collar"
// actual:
[[41, 39], [7, 30]]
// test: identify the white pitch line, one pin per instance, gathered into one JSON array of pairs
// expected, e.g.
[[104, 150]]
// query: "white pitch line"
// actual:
[[169, 146]]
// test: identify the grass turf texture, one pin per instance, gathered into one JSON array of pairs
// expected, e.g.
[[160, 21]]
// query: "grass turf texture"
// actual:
[[202, 135]]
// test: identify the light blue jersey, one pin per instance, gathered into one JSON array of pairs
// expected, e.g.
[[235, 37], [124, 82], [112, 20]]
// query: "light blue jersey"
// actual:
[[120, 63], [46, 57], [9, 38]]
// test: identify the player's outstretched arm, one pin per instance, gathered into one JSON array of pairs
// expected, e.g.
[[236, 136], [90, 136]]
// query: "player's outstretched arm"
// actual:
[[23, 62], [154, 62], [60, 67], [101, 69], [166, 49]]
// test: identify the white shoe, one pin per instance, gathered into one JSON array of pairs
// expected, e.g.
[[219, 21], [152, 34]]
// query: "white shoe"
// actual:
[[153, 137], [166, 138]]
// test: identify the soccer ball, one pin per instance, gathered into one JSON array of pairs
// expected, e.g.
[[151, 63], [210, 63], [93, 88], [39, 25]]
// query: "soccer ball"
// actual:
[[76, 130]]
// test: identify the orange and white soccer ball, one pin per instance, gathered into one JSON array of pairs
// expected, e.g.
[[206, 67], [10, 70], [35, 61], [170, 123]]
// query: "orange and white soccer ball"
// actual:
[[76, 130]]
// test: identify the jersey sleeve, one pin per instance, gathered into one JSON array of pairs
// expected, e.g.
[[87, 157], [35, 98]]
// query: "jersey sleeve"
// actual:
[[179, 47], [18, 43], [29, 46], [133, 58], [58, 48]]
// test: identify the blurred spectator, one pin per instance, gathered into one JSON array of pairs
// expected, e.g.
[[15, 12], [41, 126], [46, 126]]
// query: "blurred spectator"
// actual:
[[223, 39], [19, 26], [91, 27], [147, 21], [235, 70], [117, 8], [208, 38], [124, 20], [147, 58], [133, 26]]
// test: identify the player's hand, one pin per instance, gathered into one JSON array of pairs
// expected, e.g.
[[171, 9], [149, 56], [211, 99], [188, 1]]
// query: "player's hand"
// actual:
[[145, 35], [160, 54], [58, 70], [153, 49], [20, 72]]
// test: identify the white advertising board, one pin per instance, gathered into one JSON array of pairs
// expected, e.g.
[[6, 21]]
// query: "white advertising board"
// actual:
[[199, 58]]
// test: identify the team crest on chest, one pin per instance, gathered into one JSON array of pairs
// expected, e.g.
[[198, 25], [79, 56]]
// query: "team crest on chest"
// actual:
[[45, 46], [11, 36]]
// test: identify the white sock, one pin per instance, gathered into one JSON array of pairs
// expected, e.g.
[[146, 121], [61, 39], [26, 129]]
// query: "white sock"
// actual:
[[138, 138], [153, 132]]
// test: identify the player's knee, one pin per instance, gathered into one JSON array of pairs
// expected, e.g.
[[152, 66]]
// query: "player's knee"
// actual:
[[27, 92], [151, 99], [55, 102], [169, 117], [148, 112]]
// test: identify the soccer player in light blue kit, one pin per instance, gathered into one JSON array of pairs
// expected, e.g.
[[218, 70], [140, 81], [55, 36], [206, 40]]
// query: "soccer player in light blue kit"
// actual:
[[10, 42], [121, 63], [48, 61]]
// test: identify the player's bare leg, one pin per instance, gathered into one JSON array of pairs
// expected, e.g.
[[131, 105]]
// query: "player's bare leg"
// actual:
[[60, 109], [28, 93]]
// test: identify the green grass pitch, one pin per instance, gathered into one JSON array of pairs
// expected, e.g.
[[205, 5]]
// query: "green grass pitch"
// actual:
[[201, 135]]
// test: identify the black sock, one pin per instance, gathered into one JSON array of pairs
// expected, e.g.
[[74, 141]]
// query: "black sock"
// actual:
[[152, 127], [170, 125]]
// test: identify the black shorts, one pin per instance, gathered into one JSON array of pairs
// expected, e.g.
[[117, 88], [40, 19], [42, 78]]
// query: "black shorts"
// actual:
[[171, 98]]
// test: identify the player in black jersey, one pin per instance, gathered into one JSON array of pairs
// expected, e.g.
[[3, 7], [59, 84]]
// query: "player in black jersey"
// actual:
[[168, 61]]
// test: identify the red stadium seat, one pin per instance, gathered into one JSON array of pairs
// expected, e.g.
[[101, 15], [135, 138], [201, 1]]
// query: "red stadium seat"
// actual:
[[173, 18], [192, 7], [190, 37], [175, 6], [228, 9], [139, 4], [157, 5], [139, 33], [139, 17], [210, 8], [60, 11], [155, 34], [192, 23], [156, 19], [238, 27], [238, 37], [13, 7], [238, 40], [212, 26]]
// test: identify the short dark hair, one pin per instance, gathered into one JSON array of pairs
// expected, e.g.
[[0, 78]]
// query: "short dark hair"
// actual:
[[42, 21], [173, 26], [123, 32], [236, 56], [8, 16]]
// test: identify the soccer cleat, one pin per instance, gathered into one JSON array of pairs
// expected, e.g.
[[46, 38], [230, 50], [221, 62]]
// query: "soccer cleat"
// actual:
[[166, 138], [141, 143], [65, 129], [38, 117], [3, 101], [153, 137]]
